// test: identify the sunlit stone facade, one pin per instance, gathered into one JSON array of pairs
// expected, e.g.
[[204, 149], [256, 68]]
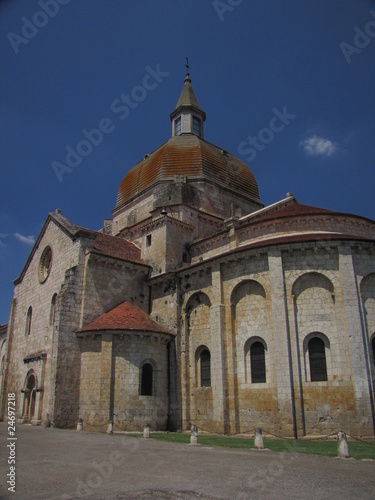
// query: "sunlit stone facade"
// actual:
[[197, 305]]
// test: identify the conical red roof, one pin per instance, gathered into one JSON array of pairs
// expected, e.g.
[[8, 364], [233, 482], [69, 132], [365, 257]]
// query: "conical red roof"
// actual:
[[125, 316]]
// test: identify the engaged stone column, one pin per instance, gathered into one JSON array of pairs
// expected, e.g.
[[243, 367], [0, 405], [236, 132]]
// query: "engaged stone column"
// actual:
[[360, 370], [218, 357], [106, 381], [284, 371], [194, 435], [258, 439], [342, 445]]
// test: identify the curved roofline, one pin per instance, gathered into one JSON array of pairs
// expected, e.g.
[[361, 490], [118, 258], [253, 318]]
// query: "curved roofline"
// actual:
[[204, 155], [279, 241], [320, 212]]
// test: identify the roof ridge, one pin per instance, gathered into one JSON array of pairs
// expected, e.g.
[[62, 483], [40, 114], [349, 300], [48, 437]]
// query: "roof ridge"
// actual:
[[289, 200]]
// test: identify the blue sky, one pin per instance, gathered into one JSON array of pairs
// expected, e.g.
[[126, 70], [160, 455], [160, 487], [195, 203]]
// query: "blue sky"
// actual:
[[64, 68]]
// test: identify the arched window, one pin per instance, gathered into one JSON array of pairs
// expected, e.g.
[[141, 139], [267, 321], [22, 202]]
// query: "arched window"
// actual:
[[28, 321], [257, 363], [52, 310], [146, 380], [205, 363], [317, 359]]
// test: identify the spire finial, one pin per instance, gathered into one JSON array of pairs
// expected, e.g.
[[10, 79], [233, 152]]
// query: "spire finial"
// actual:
[[187, 77]]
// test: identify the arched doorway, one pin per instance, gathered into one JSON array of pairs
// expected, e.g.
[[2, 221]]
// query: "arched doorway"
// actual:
[[30, 398]]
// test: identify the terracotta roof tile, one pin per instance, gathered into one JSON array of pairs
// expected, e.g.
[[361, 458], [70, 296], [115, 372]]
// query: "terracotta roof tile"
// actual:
[[119, 248], [126, 316], [194, 157]]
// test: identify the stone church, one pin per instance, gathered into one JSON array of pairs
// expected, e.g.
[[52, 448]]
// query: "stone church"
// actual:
[[197, 304]]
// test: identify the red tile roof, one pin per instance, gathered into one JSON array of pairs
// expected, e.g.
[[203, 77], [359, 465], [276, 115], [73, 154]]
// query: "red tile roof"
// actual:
[[119, 248], [125, 316]]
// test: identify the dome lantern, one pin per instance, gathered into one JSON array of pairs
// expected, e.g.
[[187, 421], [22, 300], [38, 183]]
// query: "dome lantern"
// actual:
[[187, 117]]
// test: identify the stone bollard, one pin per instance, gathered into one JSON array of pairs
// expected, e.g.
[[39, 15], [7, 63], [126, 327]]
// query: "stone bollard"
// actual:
[[258, 439], [146, 431], [80, 425], [342, 445], [194, 434], [110, 428]]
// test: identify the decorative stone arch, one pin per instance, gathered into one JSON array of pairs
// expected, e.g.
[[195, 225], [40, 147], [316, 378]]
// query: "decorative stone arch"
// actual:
[[148, 377], [367, 284], [202, 366], [196, 299], [327, 354], [195, 332], [310, 280], [246, 287], [367, 292], [252, 372], [29, 401]]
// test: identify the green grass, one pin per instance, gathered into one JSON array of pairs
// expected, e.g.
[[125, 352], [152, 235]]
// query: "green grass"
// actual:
[[357, 449]]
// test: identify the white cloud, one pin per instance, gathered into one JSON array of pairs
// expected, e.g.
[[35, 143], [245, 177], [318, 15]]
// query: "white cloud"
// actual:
[[2, 237], [318, 146], [29, 240]]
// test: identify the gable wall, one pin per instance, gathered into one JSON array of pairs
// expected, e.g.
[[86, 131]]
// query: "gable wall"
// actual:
[[30, 292]]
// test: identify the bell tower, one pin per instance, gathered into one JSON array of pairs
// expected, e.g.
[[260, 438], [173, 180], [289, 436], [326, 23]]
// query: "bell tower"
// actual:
[[188, 117]]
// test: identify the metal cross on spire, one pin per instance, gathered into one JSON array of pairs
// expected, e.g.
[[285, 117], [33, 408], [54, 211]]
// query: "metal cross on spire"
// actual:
[[187, 64]]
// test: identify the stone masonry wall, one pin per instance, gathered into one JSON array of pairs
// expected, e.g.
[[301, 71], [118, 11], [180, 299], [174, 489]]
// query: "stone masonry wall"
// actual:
[[308, 295], [109, 282], [31, 293], [111, 377]]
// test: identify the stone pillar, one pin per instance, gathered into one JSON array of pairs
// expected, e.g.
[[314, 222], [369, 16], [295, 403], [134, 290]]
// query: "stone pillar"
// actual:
[[232, 423], [218, 354], [364, 421], [37, 420], [282, 345], [106, 381], [185, 373]]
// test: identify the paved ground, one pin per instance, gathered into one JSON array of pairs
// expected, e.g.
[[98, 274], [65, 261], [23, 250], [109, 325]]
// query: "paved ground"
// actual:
[[61, 464]]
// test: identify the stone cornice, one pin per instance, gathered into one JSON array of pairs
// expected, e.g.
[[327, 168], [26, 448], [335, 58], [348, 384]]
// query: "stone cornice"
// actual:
[[164, 219]]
